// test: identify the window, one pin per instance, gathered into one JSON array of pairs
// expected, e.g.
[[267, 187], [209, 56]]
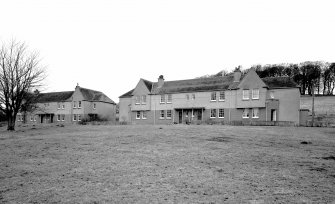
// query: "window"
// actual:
[[245, 113], [221, 113], [19, 118], [58, 117], [168, 114], [162, 99], [63, 106], [74, 117], [213, 96], [187, 97], [272, 95], [58, 106], [63, 117], [74, 104], [245, 94], [79, 117], [193, 96], [222, 96], [137, 100], [94, 106], [169, 98], [79, 104], [255, 94], [255, 112], [144, 115], [162, 114], [31, 118], [138, 114], [213, 113], [35, 118], [144, 99]]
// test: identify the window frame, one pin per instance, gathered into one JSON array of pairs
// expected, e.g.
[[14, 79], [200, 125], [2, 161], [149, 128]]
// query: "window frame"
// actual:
[[169, 98], [213, 94], [138, 115], [162, 99], [253, 111], [144, 115], [143, 99], [253, 95], [74, 118], [167, 115], [220, 112], [224, 96], [243, 94], [162, 114], [246, 110], [215, 113]]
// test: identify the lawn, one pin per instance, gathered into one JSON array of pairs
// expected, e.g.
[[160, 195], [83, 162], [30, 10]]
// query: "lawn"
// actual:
[[167, 164]]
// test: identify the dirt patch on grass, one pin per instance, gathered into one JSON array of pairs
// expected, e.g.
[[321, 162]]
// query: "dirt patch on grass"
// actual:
[[220, 139], [329, 158]]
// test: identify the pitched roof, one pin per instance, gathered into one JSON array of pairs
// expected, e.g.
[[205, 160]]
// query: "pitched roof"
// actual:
[[194, 85], [148, 84], [54, 96], [92, 95], [279, 82], [127, 95]]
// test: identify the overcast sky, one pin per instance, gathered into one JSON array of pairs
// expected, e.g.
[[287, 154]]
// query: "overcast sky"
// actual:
[[108, 45]]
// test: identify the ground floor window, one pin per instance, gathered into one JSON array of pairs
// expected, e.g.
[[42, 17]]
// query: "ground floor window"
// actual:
[[221, 113], [138, 114], [245, 113], [31, 118], [162, 114], [79, 117], [168, 114], [144, 115], [58, 117], [255, 113], [63, 117], [74, 117], [213, 113], [35, 117]]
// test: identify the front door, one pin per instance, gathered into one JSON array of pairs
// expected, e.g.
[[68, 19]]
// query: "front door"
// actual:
[[199, 115], [273, 115], [180, 117]]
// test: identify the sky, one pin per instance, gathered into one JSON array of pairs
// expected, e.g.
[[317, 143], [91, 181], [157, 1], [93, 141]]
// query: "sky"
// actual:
[[108, 45]]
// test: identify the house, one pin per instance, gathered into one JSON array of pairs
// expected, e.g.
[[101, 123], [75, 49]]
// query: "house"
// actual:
[[70, 107], [220, 99]]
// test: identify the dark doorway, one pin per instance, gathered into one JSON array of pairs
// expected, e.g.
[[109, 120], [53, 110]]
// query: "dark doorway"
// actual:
[[51, 118], [273, 115], [199, 115], [180, 116], [42, 118]]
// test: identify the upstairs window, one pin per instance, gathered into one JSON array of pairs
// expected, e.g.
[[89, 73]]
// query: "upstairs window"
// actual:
[[144, 99], [222, 96], [79, 104], [245, 94], [255, 113], [63, 106], [245, 113], [169, 98], [94, 106], [213, 113], [58, 106], [137, 100], [193, 96], [187, 97], [162, 99], [162, 114], [213, 96], [74, 104], [255, 94], [272, 94]]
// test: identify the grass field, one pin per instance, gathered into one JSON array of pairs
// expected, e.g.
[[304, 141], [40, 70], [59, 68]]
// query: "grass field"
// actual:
[[167, 164]]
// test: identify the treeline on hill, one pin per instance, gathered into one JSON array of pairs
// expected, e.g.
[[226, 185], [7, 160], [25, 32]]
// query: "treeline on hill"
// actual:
[[308, 75]]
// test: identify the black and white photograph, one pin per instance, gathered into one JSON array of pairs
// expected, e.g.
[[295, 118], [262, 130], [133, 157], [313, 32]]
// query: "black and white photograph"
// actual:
[[167, 101]]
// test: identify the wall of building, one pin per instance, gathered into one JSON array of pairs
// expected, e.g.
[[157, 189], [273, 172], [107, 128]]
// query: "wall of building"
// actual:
[[124, 109], [289, 104]]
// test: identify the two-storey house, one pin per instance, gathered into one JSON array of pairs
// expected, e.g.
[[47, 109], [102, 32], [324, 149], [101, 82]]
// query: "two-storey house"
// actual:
[[226, 99], [70, 107]]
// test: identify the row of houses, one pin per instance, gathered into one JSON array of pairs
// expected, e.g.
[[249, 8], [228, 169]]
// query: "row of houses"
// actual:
[[226, 99]]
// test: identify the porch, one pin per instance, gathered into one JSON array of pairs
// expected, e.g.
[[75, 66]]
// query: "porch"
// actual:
[[188, 115]]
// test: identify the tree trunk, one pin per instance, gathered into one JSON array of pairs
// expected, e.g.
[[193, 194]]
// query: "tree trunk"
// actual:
[[313, 106], [11, 123]]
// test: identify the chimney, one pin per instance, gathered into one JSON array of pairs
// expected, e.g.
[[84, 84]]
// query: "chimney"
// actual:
[[160, 81], [237, 75]]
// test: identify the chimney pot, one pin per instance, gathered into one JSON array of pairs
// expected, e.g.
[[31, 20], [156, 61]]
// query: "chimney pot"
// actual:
[[237, 75], [160, 81]]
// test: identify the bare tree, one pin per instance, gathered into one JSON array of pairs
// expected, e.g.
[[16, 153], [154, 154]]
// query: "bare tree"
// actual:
[[20, 72]]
